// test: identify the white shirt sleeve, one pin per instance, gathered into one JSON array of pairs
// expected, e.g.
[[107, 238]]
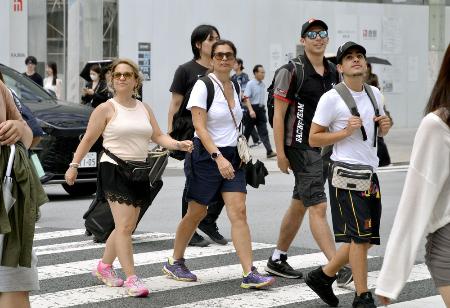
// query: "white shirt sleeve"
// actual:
[[325, 111], [428, 171], [198, 96], [248, 90]]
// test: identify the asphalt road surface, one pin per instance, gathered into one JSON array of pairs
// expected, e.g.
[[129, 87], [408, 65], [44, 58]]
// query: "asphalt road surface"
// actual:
[[66, 255]]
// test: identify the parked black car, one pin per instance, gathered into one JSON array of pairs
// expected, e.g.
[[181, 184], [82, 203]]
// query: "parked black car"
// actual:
[[64, 125]]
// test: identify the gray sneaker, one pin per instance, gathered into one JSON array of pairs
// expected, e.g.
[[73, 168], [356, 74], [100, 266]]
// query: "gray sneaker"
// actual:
[[344, 276], [177, 270]]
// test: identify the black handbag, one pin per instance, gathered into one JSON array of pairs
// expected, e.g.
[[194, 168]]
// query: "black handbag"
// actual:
[[139, 171], [255, 173]]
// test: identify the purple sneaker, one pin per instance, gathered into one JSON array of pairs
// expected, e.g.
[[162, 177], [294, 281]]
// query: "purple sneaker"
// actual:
[[177, 270], [255, 280]]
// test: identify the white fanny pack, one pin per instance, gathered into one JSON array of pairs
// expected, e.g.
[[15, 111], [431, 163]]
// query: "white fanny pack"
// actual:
[[351, 176]]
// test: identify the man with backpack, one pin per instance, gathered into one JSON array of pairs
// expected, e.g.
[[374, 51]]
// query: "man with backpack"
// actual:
[[350, 116], [297, 88], [180, 120]]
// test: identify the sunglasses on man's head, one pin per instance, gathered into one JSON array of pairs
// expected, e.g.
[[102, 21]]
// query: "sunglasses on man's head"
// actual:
[[126, 75], [219, 55], [313, 34]]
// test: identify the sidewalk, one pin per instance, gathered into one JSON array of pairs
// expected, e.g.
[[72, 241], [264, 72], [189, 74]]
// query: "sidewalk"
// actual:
[[399, 142]]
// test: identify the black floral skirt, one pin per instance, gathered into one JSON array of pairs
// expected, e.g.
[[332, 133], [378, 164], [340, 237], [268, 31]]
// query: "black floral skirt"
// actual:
[[115, 188]]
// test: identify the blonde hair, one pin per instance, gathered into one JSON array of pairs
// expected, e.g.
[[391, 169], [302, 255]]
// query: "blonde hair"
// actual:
[[134, 68]]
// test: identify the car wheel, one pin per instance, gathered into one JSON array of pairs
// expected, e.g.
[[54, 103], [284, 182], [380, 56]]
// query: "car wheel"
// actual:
[[80, 189]]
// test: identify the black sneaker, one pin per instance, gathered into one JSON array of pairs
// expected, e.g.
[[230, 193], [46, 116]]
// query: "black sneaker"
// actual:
[[321, 285], [198, 241], [282, 268], [344, 276], [212, 231], [364, 300]]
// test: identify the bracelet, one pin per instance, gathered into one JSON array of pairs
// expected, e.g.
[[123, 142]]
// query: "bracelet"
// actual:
[[74, 165]]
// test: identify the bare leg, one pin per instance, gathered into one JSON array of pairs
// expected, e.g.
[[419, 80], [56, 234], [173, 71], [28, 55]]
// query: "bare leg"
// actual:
[[125, 218], [186, 228], [15, 299], [240, 232], [339, 260], [290, 224], [445, 293], [358, 262], [321, 230]]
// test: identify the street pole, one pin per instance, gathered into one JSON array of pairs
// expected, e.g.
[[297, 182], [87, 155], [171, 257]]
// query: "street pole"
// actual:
[[436, 39]]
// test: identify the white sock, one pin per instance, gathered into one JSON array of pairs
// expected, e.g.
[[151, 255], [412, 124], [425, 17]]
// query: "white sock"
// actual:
[[277, 253]]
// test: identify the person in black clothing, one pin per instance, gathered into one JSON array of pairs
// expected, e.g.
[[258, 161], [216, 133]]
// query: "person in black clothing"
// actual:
[[202, 39], [96, 91], [31, 63], [291, 124]]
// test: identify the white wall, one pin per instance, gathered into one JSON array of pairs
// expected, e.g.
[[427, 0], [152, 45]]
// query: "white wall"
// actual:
[[167, 25], [4, 25]]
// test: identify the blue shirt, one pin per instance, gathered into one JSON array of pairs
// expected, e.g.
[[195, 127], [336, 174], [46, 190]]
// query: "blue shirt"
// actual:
[[255, 91]]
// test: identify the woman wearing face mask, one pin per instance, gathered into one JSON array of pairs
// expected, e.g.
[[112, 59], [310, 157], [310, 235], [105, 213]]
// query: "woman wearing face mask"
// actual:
[[96, 91]]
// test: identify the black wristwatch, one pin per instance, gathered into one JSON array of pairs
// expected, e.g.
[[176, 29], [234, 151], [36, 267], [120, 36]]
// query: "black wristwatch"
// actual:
[[214, 155]]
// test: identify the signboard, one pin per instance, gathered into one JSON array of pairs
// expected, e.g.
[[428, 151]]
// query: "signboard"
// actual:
[[18, 41], [144, 56]]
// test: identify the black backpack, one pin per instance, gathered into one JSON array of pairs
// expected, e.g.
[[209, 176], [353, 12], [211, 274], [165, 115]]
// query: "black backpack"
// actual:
[[300, 73], [182, 127]]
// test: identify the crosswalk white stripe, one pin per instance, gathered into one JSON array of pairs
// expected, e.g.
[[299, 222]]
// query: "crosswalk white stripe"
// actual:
[[432, 301], [162, 283], [291, 294], [84, 245], [86, 266], [58, 234]]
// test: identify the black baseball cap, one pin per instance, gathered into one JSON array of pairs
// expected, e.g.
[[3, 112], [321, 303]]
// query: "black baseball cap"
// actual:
[[313, 22], [344, 48]]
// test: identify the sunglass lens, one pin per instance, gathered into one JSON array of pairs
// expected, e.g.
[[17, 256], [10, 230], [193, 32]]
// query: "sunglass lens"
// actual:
[[323, 34]]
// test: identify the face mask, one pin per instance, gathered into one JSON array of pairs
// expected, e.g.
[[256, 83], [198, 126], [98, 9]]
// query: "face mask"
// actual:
[[93, 77]]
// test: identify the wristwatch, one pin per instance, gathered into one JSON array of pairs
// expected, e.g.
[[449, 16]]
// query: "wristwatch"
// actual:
[[214, 155]]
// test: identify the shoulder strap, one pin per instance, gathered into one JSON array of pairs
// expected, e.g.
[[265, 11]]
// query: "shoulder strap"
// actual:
[[237, 88], [372, 99], [299, 67], [347, 97], [210, 91]]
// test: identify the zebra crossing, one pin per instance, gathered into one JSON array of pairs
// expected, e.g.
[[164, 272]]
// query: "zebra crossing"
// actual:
[[66, 258]]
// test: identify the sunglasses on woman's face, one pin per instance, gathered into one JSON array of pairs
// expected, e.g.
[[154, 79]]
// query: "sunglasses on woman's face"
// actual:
[[126, 75], [313, 34], [219, 56]]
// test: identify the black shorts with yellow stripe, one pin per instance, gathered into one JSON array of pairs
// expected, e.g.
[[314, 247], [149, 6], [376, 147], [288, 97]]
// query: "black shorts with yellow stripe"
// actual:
[[356, 215]]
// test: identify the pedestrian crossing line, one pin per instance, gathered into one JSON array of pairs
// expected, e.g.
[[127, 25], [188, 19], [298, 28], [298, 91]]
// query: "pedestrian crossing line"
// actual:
[[101, 293], [291, 294], [85, 245], [432, 301], [86, 266], [58, 234]]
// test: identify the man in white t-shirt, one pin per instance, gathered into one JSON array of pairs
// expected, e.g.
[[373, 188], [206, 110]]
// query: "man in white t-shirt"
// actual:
[[356, 214]]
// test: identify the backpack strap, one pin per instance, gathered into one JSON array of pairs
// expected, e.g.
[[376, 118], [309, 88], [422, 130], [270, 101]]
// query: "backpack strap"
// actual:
[[347, 97], [209, 90], [375, 108], [299, 67]]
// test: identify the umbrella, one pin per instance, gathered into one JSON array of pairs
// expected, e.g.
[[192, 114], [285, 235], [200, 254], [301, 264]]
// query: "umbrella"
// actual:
[[376, 60], [7, 186], [104, 64]]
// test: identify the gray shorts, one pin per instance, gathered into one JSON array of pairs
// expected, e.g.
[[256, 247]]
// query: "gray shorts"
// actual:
[[437, 256], [306, 165], [13, 279]]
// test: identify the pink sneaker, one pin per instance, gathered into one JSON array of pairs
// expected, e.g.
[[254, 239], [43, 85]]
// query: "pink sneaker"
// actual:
[[107, 274], [135, 287]]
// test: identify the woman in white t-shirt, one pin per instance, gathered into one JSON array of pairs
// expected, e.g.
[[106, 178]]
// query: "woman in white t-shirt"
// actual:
[[51, 82], [424, 207], [215, 167]]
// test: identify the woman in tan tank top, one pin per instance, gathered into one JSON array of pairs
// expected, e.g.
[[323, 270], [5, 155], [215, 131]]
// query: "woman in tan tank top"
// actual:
[[127, 126]]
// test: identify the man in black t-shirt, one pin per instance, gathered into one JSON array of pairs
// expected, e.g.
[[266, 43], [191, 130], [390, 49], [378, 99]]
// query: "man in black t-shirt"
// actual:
[[31, 63], [202, 39], [294, 111]]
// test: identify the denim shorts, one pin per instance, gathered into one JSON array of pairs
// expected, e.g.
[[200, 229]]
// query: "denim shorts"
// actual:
[[204, 182]]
